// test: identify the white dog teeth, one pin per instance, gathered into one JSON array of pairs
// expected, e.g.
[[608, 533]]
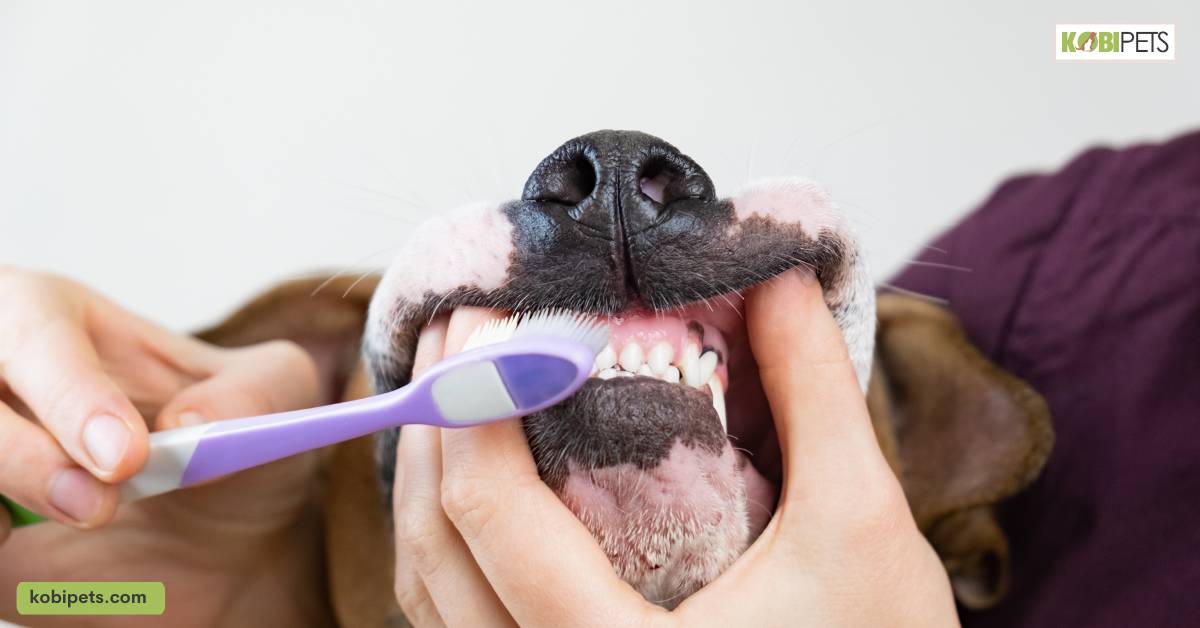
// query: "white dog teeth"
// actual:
[[631, 357], [660, 357], [694, 368], [718, 400], [689, 366], [708, 365], [671, 375], [606, 360]]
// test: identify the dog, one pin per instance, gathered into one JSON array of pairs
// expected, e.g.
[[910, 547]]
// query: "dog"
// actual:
[[623, 226]]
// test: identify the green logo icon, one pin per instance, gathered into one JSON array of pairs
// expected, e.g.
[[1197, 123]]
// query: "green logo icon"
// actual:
[[1091, 41]]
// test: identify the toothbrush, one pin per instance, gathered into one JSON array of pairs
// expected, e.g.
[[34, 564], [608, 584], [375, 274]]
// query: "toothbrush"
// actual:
[[509, 368]]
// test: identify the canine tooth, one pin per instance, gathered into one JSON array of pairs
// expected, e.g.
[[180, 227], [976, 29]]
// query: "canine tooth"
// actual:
[[645, 370], [607, 373], [718, 400], [708, 365], [689, 366], [671, 375], [660, 357], [631, 357], [606, 359]]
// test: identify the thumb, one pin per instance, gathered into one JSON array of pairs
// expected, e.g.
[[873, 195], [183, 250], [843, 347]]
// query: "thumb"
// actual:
[[271, 377], [819, 411]]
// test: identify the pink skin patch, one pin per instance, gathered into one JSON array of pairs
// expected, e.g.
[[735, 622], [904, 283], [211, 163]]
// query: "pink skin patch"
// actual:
[[790, 200], [670, 529], [468, 247]]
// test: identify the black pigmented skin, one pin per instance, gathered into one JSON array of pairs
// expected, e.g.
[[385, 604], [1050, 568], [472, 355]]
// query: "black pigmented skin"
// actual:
[[586, 238], [629, 420], [618, 248]]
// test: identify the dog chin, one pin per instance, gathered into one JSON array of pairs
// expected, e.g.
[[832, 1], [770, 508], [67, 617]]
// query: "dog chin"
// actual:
[[676, 511], [669, 529]]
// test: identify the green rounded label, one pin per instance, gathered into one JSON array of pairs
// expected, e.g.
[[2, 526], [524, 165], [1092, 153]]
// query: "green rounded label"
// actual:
[[91, 598]]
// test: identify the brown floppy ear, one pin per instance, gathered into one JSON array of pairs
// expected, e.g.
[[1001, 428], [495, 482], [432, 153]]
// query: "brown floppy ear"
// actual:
[[961, 434], [326, 316]]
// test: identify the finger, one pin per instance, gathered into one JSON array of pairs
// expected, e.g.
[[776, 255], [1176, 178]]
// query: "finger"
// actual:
[[430, 344], [261, 379], [414, 600], [818, 407], [5, 525], [57, 374], [269, 377], [517, 529], [36, 473], [463, 322], [413, 597], [428, 543]]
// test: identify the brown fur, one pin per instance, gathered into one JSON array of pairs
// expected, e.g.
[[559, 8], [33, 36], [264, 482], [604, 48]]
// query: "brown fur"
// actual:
[[326, 317], [960, 433]]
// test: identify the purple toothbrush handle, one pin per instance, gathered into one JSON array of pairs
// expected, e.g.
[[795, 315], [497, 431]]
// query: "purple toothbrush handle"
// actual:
[[230, 446], [537, 372]]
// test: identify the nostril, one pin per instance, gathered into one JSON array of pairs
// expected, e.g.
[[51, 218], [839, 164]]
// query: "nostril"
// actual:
[[664, 183], [567, 180], [655, 186]]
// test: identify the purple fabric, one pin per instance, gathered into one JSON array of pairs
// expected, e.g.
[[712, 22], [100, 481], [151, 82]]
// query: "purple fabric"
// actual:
[[1086, 283]]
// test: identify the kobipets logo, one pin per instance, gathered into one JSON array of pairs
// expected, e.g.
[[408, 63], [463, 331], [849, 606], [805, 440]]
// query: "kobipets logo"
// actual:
[[1115, 42]]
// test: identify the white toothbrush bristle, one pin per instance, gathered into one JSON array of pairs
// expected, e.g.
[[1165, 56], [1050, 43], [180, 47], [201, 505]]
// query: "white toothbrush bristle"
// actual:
[[558, 323]]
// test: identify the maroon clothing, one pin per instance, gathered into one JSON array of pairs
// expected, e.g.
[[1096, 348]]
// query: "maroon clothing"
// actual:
[[1086, 283]]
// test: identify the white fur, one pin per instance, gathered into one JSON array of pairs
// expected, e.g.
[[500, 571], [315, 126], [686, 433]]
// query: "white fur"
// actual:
[[468, 247], [796, 200], [789, 200]]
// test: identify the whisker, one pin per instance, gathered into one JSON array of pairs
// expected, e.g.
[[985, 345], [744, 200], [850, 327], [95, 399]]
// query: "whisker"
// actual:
[[856, 132], [940, 265], [750, 157], [764, 507], [911, 293], [345, 271], [387, 215], [385, 194], [822, 151], [356, 282]]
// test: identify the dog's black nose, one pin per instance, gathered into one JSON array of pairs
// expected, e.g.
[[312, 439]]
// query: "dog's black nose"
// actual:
[[619, 183], [615, 214]]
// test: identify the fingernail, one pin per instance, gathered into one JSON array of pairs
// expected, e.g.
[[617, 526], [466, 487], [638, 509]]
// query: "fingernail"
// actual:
[[106, 438], [77, 493], [188, 419]]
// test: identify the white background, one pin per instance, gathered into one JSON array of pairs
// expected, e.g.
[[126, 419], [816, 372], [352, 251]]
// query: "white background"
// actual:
[[180, 156]]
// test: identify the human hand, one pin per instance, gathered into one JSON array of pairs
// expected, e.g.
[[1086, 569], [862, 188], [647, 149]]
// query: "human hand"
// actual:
[[82, 382], [482, 541]]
